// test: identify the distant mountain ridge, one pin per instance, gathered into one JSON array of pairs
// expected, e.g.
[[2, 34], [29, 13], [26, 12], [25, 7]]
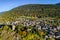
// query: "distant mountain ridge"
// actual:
[[57, 3], [44, 10]]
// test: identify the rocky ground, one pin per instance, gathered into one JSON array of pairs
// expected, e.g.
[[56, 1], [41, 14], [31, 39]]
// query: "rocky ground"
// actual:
[[31, 29]]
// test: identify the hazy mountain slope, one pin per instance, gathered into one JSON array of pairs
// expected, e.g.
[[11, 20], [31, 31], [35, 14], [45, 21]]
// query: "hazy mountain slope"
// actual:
[[49, 10]]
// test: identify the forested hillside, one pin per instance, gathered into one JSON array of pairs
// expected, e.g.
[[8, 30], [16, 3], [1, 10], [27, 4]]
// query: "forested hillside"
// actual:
[[35, 10], [31, 22]]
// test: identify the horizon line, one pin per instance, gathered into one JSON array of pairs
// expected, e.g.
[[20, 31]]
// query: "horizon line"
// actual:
[[31, 4]]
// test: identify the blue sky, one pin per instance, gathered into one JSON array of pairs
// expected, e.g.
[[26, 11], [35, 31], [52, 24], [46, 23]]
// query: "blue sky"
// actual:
[[6, 5]]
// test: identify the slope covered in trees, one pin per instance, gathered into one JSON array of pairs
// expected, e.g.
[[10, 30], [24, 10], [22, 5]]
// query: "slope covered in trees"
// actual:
[[45, 27], [38, 10]]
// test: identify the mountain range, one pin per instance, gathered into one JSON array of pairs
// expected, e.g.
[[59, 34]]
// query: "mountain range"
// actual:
[[43, 10]]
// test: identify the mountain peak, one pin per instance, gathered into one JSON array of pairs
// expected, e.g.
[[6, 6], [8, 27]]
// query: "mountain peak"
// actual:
[[58, 4]]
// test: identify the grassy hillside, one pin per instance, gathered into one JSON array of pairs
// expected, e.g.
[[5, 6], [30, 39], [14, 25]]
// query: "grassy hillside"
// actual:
[[29, 27], [38, 10]]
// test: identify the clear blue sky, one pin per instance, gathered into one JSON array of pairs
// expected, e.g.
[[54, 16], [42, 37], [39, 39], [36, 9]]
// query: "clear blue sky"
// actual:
[[6, 5]]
